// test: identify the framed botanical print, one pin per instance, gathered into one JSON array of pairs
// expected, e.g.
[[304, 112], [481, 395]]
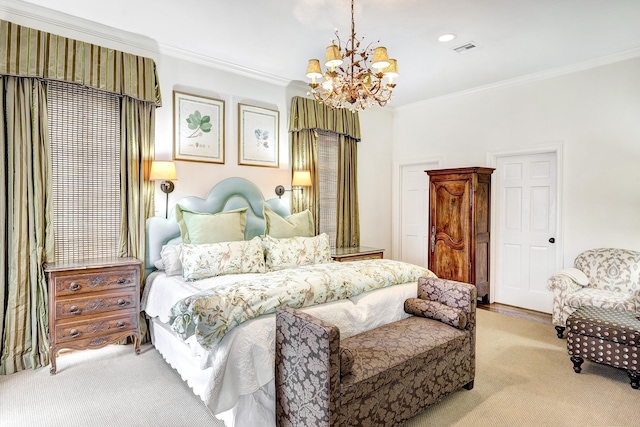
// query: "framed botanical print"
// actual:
[[198, 128], [258, 136]]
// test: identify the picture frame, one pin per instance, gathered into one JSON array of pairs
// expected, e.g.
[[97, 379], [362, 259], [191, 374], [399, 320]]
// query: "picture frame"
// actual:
[[258, 136], [198, 128]]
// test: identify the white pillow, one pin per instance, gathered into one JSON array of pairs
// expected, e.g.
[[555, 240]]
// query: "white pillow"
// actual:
[[296, 251], [216, 259], [170, 257]]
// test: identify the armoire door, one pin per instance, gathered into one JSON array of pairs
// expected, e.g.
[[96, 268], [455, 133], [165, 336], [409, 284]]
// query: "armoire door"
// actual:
[[450, 234]]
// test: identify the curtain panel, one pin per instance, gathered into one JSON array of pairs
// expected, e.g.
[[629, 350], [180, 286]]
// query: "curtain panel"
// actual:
[[26, 237], [306, 117], [28, 58], [26, 52]]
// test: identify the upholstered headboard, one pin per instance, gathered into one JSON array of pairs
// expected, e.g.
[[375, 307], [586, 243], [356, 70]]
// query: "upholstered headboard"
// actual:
[[232, 193]]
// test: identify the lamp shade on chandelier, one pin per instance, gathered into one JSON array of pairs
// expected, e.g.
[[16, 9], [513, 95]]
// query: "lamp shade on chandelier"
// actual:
[[355, 78]]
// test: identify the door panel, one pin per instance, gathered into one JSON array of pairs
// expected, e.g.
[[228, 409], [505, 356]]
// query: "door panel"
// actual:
[[414, 214], [527, 188]]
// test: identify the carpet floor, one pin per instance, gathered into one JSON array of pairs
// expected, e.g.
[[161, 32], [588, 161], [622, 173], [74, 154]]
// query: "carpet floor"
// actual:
[[523, 378]]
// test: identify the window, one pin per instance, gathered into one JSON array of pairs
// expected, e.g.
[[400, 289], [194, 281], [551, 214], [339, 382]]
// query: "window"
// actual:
[[84, 130], [328, 180]]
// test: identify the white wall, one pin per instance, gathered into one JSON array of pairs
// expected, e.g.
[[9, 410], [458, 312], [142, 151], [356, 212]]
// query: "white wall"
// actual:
[[595, 113], [374, 178]]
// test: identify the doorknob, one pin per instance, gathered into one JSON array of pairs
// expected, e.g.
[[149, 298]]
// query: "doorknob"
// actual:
[[552, 240]]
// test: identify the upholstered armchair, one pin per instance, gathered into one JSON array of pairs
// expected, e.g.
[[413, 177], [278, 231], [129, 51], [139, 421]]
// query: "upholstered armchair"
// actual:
[[607, 277]]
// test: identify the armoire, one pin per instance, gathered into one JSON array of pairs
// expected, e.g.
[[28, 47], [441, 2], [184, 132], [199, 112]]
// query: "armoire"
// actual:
[[459, 225]]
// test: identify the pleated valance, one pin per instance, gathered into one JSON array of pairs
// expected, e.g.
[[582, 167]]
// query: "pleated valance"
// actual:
[[26, 52], [310, 114]]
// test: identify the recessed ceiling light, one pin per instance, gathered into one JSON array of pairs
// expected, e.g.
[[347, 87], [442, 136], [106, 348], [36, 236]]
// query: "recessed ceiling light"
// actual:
[[446, 37]]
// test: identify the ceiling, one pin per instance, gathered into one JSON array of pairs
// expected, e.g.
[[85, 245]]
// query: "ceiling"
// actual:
[[273, 39]]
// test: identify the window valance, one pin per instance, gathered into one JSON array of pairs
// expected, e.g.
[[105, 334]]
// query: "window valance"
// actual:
[[311, 114], [26, 52]]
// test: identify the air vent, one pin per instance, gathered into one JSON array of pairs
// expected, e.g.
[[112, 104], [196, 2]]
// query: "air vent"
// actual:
[[465, 48]]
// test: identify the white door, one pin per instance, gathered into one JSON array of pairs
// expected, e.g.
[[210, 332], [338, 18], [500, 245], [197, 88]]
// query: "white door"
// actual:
[[527, 213], [414, 213]]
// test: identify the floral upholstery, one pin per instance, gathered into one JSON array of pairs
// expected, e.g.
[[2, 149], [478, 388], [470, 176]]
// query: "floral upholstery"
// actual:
[[398, 369], [612, 281]]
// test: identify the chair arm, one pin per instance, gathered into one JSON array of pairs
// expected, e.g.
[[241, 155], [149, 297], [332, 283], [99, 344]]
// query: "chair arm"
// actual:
[[563, 283], [307, 373]]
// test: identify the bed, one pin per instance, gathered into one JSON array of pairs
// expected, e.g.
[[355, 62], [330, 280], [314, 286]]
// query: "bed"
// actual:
[[218, 332]]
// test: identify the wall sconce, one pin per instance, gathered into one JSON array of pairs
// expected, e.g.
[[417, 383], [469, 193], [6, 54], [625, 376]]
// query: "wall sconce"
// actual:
[[300, 179], [164, 171]]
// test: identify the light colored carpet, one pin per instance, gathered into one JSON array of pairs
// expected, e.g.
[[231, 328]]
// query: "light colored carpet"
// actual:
[[524, 378]]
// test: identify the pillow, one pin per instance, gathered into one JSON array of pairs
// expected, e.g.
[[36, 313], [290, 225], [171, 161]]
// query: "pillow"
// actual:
[[346, 361], [216, 259], [435, 310], [296, 251], [297, 224], [197, 228], [170, 260]]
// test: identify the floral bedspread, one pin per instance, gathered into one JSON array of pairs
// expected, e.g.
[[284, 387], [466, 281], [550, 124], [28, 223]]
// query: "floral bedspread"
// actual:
[[212, 313]]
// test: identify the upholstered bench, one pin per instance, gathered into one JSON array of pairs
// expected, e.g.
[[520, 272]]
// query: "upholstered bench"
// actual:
[[605, 336], [381, 377]]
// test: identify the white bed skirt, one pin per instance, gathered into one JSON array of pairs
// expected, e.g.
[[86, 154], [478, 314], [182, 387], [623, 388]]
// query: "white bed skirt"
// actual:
[[257, 409]]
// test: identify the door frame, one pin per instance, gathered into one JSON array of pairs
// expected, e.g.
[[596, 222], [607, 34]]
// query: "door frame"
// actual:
[[396, 197], [492, 160]]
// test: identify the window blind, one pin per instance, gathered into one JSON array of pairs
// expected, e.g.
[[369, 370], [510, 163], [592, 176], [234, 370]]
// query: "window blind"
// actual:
[[84, 131], [328, 183]]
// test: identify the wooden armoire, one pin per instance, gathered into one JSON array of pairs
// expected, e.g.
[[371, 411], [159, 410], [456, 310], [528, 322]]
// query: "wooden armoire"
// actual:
[[459, 225]]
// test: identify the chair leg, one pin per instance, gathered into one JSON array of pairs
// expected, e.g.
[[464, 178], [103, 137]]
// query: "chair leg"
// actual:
[[577, 362], [634, 376], [469, 385], [560, 331]]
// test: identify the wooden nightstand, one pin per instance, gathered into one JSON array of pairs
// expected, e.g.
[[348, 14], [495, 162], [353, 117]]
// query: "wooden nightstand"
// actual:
[[356, 254], [93, 303]]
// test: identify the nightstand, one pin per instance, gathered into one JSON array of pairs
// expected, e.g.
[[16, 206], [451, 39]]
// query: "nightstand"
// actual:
[[93, 303], [356, 254]]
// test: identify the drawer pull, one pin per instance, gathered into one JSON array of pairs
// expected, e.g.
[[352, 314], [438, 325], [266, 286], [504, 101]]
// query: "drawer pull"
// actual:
[[74, 310], [121, 324], [122, 302], [122, 280], [74, 333], [74, 286]]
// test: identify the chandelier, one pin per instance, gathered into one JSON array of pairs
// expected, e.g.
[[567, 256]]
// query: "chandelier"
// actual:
[[354, 78]]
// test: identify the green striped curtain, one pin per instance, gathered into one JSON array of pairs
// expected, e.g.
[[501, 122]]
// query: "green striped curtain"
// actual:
[[26, 52], [307, 116], [28, 58]]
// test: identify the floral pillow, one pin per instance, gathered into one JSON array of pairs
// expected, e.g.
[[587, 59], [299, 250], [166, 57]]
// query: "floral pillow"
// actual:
[[216, 259], [296, 251]]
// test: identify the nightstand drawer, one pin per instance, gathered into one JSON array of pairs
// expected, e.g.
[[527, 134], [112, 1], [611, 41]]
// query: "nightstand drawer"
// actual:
[[95, 304], [95, 282], [356, 254], [113, 324]]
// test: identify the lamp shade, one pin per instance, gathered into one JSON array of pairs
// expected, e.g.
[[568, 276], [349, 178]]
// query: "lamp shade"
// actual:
[[380, 58], [163, 171], [333, 57], [301, 179], [313, 69], [392, 69]]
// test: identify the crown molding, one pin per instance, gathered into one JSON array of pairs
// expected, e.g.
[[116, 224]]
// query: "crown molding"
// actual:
[[55, 22], [543, 75]]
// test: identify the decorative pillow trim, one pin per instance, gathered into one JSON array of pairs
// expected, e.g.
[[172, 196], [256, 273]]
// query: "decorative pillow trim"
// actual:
[[346, 361], [435, 310]]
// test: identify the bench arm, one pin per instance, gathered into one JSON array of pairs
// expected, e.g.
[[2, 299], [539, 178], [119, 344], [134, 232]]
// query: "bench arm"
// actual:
[[307, 373], [448, 292]]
